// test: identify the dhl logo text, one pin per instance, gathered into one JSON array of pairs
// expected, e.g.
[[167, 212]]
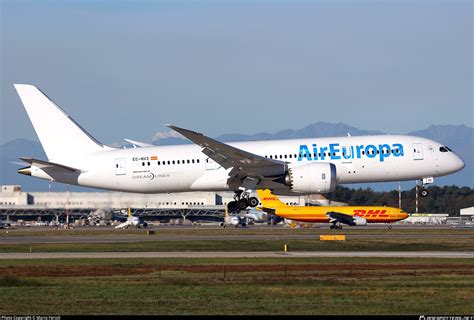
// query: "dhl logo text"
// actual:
[[371, 213]]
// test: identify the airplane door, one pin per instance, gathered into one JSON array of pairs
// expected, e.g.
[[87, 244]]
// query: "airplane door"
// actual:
[[120, 166], [346, 154], [417, 151]]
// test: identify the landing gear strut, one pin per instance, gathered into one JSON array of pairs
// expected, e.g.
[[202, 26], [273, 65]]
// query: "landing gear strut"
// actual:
[[425, 181], [242, 200], [335, 226]]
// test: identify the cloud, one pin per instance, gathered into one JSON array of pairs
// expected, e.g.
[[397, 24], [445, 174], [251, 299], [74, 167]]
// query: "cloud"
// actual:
[[160, 135]]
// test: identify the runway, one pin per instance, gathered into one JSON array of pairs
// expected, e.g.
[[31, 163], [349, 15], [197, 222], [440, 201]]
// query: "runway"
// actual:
[[243, 254], [230, 237]]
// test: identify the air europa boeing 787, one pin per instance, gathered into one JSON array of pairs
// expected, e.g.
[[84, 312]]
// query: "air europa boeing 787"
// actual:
[[297, 166]]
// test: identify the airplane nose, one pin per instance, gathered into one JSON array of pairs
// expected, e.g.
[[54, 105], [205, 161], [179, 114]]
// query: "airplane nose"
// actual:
[[458, 164]]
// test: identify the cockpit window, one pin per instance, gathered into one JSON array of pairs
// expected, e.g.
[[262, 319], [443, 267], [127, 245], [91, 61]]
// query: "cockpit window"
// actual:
[[448, 148], [444, 149]]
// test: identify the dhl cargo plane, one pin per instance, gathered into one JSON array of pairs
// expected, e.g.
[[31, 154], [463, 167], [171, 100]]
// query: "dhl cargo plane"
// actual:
[[288, 167], [337, 215]]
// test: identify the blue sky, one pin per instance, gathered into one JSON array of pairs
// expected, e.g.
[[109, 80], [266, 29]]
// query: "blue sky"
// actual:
[[124, 69]]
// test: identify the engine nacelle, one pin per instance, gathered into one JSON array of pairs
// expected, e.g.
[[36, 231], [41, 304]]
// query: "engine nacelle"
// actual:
[[358, 221], [312, 178]]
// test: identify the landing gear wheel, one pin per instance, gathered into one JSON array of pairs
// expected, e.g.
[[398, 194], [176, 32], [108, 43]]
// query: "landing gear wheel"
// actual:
[[424, 193], [253, 202], [242, 204], [232, 206], [390, 227]]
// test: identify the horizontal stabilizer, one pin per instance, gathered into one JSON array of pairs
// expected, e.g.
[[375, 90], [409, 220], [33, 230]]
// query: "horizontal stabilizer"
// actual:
[[139, 144], [46, 164], [267, 210]]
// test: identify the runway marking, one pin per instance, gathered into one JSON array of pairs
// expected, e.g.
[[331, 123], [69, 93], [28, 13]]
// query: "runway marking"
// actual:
[[259, 254]]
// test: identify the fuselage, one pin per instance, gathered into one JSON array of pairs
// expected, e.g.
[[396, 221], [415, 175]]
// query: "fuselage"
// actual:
[[372, 214], [180, 168]]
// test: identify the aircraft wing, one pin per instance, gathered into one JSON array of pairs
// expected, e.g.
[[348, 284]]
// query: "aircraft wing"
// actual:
[[340, 217], [244, 164]]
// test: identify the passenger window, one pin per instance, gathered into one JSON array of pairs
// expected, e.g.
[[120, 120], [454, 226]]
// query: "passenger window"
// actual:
[[197, 160], [323, 176]]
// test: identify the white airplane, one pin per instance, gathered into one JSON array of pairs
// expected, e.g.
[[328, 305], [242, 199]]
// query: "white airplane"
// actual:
[[233, 220], [257, 216], [288, 167], [131, 221]]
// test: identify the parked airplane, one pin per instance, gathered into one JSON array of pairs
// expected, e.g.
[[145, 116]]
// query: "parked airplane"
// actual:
[[257, 216], [4, 225], [233, 220], [350, 215], [132, 221], [288, 167]]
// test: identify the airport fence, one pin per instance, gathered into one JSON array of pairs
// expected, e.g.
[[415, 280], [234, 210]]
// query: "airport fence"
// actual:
[[247, 272]]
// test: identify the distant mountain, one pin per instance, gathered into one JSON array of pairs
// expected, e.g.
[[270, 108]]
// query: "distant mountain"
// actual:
[[460, 138], [316, 130]]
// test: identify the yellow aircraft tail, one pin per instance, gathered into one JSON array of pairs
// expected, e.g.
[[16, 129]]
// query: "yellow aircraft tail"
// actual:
[[269, 200]]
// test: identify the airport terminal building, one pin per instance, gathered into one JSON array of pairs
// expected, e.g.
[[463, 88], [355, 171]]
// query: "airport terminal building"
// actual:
[[14, 202]]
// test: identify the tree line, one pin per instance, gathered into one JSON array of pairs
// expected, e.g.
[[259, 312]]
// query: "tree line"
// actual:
[[447, 199]]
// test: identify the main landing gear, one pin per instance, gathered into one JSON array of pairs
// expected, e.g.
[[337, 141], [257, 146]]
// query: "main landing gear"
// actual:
[[242, 200], [335, 225]]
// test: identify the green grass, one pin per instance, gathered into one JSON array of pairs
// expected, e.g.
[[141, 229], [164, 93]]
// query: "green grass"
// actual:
[[369, 290]]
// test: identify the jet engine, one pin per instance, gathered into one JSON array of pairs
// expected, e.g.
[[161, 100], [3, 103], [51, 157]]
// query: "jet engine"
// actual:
[[358, 221], [312, 178]]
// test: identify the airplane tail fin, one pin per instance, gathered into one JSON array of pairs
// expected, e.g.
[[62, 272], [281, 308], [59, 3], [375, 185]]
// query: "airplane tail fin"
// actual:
[[269, 200], [60, 136]]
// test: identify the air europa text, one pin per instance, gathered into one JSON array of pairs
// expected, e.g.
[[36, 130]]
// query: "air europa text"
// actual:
[[337, 152]]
